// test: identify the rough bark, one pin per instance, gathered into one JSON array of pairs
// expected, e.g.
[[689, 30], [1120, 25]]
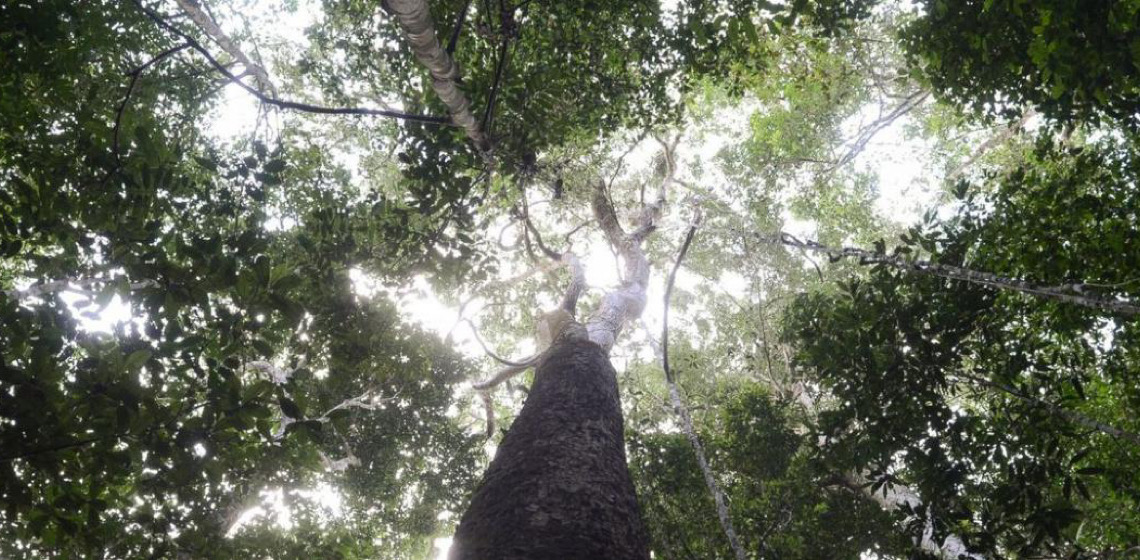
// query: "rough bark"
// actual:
[[559, 486], [416, 21]]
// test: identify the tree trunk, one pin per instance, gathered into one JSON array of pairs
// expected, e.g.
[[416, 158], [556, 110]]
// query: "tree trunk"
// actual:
[[559, 485]]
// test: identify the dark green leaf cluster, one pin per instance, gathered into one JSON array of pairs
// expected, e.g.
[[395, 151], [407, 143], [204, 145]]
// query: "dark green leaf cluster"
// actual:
[[783, 505], [150, 440], [993, 403], [1070, 60]]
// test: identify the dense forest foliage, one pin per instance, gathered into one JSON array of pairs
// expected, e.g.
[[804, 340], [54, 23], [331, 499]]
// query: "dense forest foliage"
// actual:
[[256, 257]]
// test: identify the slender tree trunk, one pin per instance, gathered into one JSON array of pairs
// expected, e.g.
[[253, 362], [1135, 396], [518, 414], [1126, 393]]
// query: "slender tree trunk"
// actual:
[[559, 486]]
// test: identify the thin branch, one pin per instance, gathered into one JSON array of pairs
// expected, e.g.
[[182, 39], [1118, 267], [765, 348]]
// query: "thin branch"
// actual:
[[990, 143], [79, 285], [60, 447], [621, 158], [500, 68], [668, 295], [282, 103], [1070, 415], [366, 401], [1071, 293], [486, 350], [501, 285], [868, 133], [462, 17], [134, 74], [506, 373], [550, 253]]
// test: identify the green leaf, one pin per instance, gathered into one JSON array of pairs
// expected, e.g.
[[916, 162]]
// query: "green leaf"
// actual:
[[290, 408], [263, 347], [275, 166], [136, 360]]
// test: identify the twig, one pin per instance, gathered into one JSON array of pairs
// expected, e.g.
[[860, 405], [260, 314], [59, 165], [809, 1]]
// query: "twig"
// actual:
[[134, 74]]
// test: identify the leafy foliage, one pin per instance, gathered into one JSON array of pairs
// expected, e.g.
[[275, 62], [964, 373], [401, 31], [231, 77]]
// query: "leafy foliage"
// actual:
[[957, 388], [1073, 61], [783, 504]]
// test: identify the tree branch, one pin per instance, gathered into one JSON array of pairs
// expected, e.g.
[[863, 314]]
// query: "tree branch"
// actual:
[[210, 27], [867, 134], [81, 285], [462, 17], [1070, 415], [628, 301], [1072, 293], [419, 28], [990, 143], [282, 103], [683, 412]]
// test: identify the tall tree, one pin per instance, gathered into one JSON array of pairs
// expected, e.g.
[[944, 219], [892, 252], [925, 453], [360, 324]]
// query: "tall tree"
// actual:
[[265, 393]]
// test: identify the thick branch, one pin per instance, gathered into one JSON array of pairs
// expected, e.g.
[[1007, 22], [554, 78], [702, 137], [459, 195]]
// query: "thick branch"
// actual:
[[628, 301], [416, 21], [1069, 293], [577, 282], [208, 26], [282, 103]]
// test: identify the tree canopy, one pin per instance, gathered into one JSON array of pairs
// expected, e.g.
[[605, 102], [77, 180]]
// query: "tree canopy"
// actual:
[[260, 263]]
